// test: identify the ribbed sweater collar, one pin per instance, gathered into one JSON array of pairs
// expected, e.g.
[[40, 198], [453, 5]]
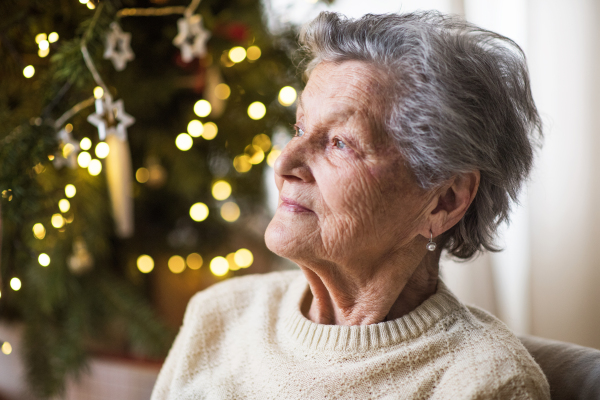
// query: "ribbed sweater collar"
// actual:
[[362, 337]]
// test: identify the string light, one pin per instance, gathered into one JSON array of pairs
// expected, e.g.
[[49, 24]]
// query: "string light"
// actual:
[[98, 92], [184, 142], [43, 53], [199, 212], [53, 37], [221, 190], [272, 157], [257, 110], [145, 263], [255, 153], [195, 128], [44, 259], [83, 159], [222, 91], [194, 261], [83, 1], [142, 175], [263, 141], [95, 167], [64, 205], [90, 5], [40, 37], [85, 144], [102, 150], [242, 163], [287, 96], [244, 258], [219, 266], [15, 284], [231, 261], [230, 211], [28, 71], [44, 45], [69, 128], [67, 150], [202, 108], [253, 53], [176, 264], [70, 190], [210, 131], [237, 54], [6, 348], [57, 221], [39, 231]]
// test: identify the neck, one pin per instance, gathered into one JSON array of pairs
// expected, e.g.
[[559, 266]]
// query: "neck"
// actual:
[[394, 289]]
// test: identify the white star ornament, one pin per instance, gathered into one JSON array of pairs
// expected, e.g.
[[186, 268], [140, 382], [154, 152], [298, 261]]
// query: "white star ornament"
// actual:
[[191, 38], [118, 48], [110, 118]]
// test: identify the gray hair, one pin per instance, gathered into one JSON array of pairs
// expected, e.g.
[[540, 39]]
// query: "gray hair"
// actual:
[[460, 100]]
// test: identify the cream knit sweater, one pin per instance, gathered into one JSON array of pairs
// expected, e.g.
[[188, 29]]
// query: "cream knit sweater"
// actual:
[[246, 338]]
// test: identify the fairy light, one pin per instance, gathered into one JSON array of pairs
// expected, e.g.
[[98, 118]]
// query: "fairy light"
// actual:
[[64, 205], [142, 175], [272, 157], [145, 263], [69, 128], [28, 71], [253, 53], [44, 45], [199, 212], [202, 108], [83, 159], [222, 91], [263, 141], [210, 131], [83, 1], [90, 5], [257, 110], [194, 261], [219, 266], [176, 264], [15, 284], [195, 128], [242, 163], [70, 190], [255, 153], [237, 54], [44, 259], [95, 167], [85, 143], [244, 258], [98, 92], [39, 231], [43, 53], [287, 96], [221, 190], [57, 221], [67, 150], [230, 211], [231, 261], [40, 37], [53, 37], [6, 348], [184, 142], [102, 150]]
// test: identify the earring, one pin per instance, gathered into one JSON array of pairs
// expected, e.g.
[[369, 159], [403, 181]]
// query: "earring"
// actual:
[[431, 244]]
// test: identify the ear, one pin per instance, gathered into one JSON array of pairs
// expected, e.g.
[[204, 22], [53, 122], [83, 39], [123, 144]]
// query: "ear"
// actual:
[[451, 202]]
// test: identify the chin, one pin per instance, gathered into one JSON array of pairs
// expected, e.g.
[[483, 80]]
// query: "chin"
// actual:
[[282, 239]]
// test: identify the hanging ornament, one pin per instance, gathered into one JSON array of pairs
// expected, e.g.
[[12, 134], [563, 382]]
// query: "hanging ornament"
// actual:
[[81, 260], [110, 118], [68, 150], [118, 48], [191, 38]]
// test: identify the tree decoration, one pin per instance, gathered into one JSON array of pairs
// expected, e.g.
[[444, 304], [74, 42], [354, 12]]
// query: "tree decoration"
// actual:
[[110, 118], [81, 260], [118, 48], [191, 38], [69, 148]]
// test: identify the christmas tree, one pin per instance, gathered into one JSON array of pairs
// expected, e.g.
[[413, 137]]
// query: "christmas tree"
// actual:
[[133, 139]]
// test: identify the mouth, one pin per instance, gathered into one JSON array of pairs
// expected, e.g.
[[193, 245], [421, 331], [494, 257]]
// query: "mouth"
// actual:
[[293, 206]]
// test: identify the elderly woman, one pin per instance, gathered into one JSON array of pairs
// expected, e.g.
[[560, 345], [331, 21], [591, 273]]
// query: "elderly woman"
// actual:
[[413, 134]]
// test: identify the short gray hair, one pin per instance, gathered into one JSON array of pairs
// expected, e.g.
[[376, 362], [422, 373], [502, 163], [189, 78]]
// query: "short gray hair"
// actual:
[[460, 101]]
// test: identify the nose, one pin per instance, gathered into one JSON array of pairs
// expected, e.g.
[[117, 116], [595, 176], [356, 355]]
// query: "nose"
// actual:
[[292, 165]]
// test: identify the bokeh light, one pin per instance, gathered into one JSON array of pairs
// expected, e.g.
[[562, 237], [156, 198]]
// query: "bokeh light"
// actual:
[[253, 53], [210, 131], [231, 261], [142, 175], [83, 159], [244, 258], [272, 157], [255, 153], [263, 141], [44, 45], [95, 167], [6, 348], [64, 205], [194, 261], [39, 231], [44, 259], [43, 52], [242, 163], [102, 150], [237, 54], [199, 212], [70, 190], [98, 92], [28, 71], [195, 128], [176, 264], [184, 142], [40, 37], [219, 266], [221, 190], [85, 143], [287, 96], [15, 284], [145, 263], [230, 211], [57, 221], [53, 37], [222, 91], [257, 110], [202, 108]]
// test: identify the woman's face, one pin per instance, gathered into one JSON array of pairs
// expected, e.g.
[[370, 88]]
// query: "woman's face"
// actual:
[[345, 196]]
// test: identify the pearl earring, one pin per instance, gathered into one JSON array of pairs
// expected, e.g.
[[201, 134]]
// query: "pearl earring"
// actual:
[[431, 244]]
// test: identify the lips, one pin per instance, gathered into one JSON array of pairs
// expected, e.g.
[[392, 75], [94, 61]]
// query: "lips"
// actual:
[[292, 205]]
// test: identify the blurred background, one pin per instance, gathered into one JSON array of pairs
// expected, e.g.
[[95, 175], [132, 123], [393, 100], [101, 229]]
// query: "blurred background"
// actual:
[[137, 140]]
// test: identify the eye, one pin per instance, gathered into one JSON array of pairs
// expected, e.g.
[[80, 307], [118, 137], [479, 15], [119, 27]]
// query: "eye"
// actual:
[[299, 131], [339, 144]]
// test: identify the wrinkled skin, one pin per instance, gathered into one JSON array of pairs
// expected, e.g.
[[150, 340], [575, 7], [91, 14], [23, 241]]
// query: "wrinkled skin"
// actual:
[[350, 213]]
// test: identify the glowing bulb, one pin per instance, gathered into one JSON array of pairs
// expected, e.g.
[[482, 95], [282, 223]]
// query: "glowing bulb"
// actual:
[[6, 347], [221, 190], [202, 108], [257, 110], [194, 261], [83, 159], [195, 128], [44, 259], [67, 150], [57, 221], [219, 266], [142, 175], [287, 96], [64, 205], [237, 54], [242, 163], [199, 212], [244, 258], [40, 37], [222, 91], [210, 131], [83, 1], [95, 167], [69, 128], [184, 142], [39, 231], [43, 53], [176, 264], [102, 150], [44, 45], [15, 284], [53, 37], [98, 92], [272, 157], [253, 53], [85, 144], [28, 71], [231, 261], [70, 190], [230, 211], [261, 140], [90, 5], [145, 263], [255, 153]]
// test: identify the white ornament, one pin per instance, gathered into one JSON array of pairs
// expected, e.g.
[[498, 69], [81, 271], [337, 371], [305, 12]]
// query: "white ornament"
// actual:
[[110, 118], [118, 49], [69, 150], [191, 38]]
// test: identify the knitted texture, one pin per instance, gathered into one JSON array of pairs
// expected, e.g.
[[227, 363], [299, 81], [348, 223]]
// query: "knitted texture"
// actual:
[[246, 338]]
